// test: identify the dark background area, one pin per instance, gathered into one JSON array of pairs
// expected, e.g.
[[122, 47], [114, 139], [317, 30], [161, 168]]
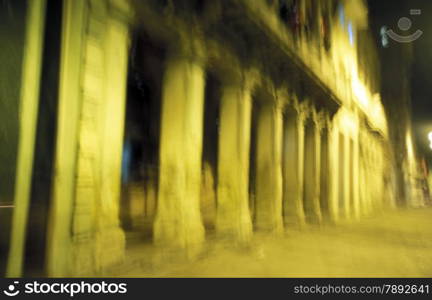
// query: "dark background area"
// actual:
[[387, 13], [12, 31]]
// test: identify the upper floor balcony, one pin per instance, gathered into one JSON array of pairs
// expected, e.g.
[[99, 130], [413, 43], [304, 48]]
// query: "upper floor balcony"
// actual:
[[324, 36], [319, 43]]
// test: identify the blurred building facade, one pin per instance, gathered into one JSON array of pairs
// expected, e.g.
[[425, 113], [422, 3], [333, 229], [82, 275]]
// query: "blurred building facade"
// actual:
[[184, 120], [410, 177]]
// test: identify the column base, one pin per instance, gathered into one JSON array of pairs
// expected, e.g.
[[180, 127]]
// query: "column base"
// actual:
[[95, 253], [233, 221], [240, 233], [294, 221], [110, 245], [83, 258], [314, 217], [270, 227], [187, 241]]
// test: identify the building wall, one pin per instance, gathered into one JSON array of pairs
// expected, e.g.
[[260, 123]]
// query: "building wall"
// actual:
[[89, 139], [302, 136], [12, 33]]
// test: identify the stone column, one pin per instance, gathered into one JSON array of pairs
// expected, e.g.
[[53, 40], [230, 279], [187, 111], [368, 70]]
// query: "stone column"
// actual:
[[362, 190], [368, 176], [178, 221], [233, 217], [59, 242], [98, 241], [343, 174], [381, 177], [364, 174], [110, 239], [269, 168], [344, 169], [312, 172], [293, 156], [346, 177], [378, 175], [325, 175], [336, 161], [361, 181], [355, 188], [372, 184], [29, 103]]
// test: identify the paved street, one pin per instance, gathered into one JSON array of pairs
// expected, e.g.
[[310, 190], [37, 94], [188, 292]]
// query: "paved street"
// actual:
[[395, 244]]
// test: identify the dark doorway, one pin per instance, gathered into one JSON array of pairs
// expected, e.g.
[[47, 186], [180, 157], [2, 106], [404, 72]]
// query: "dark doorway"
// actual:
[[352, 185], [325, 175], [12, 40], [210, 151], [141, 142], [252, 156], [343, 155], [43, 164]]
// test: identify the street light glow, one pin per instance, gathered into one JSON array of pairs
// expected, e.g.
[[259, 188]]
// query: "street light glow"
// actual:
[[430, 139]]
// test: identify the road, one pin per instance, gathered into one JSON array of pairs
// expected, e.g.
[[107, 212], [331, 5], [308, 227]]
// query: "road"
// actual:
[[391, 244]]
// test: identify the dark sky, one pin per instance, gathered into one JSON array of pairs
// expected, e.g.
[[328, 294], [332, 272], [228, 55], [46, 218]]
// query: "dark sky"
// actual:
[[387, 13]]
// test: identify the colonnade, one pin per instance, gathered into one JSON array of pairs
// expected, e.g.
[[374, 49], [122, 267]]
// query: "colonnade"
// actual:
[[310, 167], [307, 166], [84, 233]]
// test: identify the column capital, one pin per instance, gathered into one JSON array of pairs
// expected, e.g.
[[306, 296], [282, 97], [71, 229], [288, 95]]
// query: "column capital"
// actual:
[[315, 117], [304, 111], [187, 45], [266, 95], [300, 110], [321, 121], [120, 9], [236, 76], [324, 120], [282, 96], [117, 9]]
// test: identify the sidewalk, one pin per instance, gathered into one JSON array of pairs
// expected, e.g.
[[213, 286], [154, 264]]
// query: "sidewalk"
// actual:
[[395, 244]]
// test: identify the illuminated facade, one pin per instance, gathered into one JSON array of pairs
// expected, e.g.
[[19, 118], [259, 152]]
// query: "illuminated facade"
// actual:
[[264, 116], [396, 97]]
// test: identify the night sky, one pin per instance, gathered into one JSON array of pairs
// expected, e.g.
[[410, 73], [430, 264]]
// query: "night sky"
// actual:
[[388, 13]]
